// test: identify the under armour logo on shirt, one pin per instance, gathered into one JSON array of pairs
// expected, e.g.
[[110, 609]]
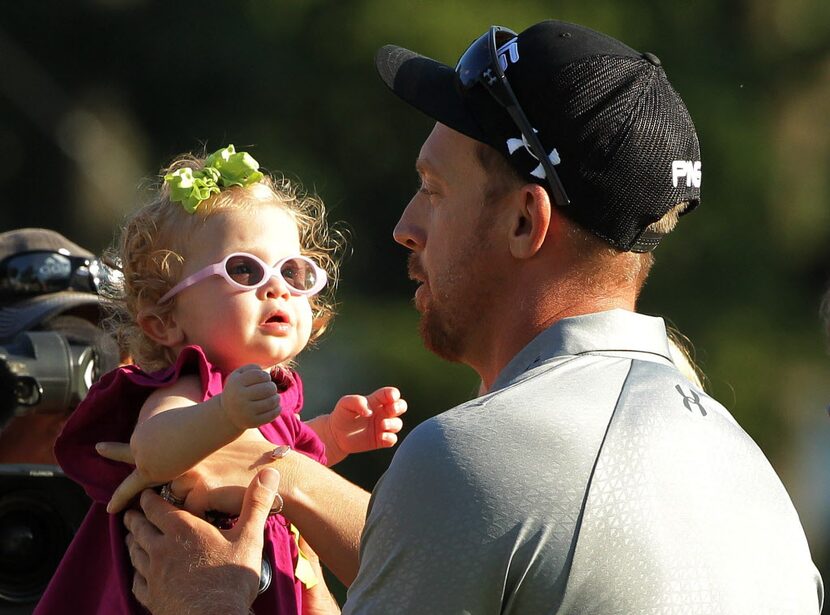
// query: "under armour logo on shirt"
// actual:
[[692, 399]]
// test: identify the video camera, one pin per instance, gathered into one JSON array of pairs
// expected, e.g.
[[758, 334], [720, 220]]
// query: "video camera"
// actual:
[[42, 372], [40, 511]]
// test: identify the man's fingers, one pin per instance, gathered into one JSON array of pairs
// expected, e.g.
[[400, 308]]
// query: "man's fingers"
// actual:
[[138, 556], [126, 491], [156, 510], [117, 451], [259, 498], [141, 534], [140, 588]]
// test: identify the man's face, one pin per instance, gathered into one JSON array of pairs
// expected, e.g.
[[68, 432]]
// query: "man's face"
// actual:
[[446, 227]]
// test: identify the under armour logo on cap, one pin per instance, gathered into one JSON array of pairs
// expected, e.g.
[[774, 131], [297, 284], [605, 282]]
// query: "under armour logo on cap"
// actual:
[[514, 144]]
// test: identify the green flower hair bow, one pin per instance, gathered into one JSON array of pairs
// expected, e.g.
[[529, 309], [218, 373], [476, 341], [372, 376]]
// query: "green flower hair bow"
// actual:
[[223, 168]]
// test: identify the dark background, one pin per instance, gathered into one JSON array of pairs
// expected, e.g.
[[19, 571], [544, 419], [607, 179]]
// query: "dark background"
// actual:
[[96, 96]]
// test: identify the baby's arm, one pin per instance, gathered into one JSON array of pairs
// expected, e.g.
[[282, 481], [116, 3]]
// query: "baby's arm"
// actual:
[[360, 423], [175, 431]]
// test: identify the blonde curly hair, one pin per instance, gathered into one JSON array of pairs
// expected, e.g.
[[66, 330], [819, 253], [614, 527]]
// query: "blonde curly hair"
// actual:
[[150, 254]]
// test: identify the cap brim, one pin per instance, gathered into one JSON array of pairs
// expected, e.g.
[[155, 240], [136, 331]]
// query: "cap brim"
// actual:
[[29, 313], [427, 85]]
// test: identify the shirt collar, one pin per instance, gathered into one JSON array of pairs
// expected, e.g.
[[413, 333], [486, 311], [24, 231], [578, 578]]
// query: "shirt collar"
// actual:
[[614, 331]]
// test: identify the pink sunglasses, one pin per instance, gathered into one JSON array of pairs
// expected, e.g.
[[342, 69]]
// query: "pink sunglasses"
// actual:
[[247, 272]]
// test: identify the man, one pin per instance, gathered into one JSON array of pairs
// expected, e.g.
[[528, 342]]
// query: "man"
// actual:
[[48, 283], [591, 476], [51, 350]]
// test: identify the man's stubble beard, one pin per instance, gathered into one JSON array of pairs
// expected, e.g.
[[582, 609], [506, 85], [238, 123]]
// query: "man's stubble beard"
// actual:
[[452, 317], [440, 334]]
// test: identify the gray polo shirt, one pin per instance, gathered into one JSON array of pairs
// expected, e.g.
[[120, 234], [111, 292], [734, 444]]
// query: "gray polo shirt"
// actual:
[[594, 478]]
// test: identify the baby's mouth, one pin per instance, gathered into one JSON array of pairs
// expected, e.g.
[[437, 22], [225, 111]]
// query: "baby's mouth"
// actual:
[[277, 318]]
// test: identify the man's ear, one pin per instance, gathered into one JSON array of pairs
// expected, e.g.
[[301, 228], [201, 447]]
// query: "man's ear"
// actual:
[[164, 331], [530, 221]]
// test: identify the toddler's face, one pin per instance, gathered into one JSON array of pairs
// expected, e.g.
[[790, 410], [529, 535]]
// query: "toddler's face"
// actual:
[[265, 326]]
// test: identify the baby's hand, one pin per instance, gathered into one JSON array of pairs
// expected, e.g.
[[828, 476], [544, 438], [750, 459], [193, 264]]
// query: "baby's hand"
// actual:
[[250, 398], [361, 423]]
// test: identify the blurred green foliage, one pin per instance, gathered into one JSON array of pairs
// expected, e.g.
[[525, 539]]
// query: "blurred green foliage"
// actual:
[[95, 96]]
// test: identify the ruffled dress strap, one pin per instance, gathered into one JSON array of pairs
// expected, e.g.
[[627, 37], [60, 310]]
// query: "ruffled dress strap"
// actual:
[[288, 428], [109, 414]]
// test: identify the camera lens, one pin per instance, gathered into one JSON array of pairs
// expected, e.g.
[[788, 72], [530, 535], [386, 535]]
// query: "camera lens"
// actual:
[[33, 538]]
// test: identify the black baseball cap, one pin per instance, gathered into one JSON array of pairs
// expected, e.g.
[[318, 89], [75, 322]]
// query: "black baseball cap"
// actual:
[[626, 150], [22, 310]]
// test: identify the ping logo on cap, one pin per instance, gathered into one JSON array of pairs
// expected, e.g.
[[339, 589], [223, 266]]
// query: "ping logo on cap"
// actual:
[[690, 169]]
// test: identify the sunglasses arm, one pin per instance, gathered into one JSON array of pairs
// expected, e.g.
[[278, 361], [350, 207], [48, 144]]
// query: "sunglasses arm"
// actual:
[[559, 196], [190, 280]]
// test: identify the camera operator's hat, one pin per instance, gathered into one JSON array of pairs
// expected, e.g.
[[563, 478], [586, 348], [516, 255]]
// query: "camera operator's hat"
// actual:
[[42, 274], [603, 118]]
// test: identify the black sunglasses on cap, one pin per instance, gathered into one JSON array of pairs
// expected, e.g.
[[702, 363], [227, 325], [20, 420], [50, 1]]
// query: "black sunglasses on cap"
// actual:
[[484, 63], [43, 271]]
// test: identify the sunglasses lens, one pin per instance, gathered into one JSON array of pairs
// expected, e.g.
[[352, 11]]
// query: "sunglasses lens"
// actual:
[[37, 272], [503, 35], [474, 61], [244, 270], [299, 274]]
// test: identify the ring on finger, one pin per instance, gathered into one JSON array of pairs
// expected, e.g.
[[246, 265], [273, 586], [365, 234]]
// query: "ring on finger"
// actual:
[[278, 504], [168, 496]]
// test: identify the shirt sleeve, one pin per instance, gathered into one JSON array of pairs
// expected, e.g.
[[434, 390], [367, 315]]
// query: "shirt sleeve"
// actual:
[[424, 534]]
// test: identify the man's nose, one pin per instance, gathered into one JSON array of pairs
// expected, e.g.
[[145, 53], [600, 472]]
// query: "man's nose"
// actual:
[[409, 231]]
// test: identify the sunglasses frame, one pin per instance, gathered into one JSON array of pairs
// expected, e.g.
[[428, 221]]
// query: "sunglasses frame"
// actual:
[[83, 275], [498, 87], [269, 272]]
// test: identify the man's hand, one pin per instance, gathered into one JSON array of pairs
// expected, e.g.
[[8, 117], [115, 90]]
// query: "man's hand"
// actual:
[[185, 565], [360, 423], [317, 600], [250, 398], [217, 483], [328, 510]]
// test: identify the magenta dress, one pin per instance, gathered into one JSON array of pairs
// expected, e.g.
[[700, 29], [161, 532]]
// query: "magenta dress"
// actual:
[[95, 575]]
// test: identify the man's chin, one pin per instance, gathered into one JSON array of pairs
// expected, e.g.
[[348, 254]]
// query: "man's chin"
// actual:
[[437, 338]]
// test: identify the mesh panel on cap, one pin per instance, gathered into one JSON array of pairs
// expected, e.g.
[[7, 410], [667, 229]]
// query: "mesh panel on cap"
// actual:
[[618, 125]]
